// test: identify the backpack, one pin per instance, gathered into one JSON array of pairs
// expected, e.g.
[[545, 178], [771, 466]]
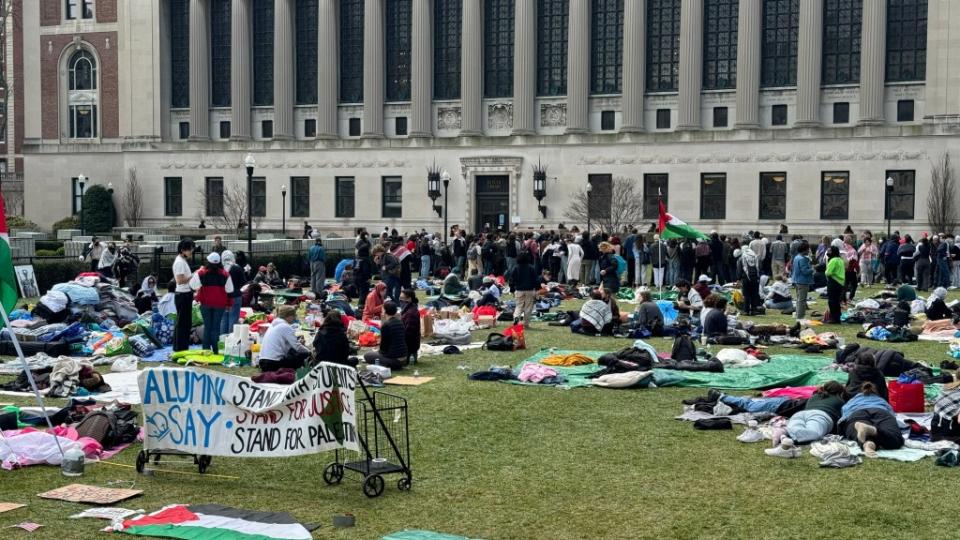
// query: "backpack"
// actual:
[[472, 254], [109, 427], [683, 348], [498, 342]]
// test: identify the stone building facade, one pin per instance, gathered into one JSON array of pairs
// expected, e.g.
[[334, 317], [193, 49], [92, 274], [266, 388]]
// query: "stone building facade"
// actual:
[[742, 114]]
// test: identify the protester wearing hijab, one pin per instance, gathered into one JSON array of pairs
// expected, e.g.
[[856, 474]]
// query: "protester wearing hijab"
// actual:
[[453, 289], [147, 294], [936, 306], [374, 302]]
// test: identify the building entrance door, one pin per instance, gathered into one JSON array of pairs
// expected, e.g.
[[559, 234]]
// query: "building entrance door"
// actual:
[[493, 203]]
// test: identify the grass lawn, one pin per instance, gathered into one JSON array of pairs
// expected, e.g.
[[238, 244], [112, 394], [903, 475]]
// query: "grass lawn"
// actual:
[[494, 460]]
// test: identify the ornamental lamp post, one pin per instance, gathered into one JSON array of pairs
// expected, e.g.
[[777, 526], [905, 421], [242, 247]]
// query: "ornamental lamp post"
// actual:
[[433, 187], [81, 181], [283, 195], [540, 189], [250, 164], [446, 198], [889, 192]]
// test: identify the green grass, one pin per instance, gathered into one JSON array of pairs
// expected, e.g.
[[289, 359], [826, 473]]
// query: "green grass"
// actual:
[[493, 460]]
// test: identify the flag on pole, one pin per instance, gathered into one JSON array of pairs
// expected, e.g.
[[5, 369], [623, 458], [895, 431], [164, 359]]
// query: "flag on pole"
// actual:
[[671, 227], [8, 280]]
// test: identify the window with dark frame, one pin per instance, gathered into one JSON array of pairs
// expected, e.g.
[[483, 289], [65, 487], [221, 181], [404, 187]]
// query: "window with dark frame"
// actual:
[[720, 44], [184, 128], [906, 40], [655, 188], [77, 198], [905, 110], [224, 129], [400, 125], [778, 115], [835, 195], [392, 194], [306, 29], [841, 113], [263, 53], [258, 197], [663, 45], [345, 196], [606, 47], [842, 21], [220, 53], [773, 195], [713, 196], [899, 204], [601, 196], [447, 32], [663, 118], [179, 53], [173, 196], [214, 196], [266, 129], [498, 36], [353, 125], [720, 117], [552, 19], [608, 120], [781, 30], [299, 196], [351, 51], [398, 47], [74, 9], [310, 128]]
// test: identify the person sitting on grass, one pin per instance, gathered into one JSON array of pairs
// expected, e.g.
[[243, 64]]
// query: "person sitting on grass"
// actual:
[[269, 275], [648, 315], [865, 370], [778, 295], [331, 343], [595, 316], [945, 425], [689, 301], [818, 418], [489, 293], [280, 347], [475, 281], [714, 316], [452, 289], [373, 305], [393, 341], [937, 309], [868, 419]]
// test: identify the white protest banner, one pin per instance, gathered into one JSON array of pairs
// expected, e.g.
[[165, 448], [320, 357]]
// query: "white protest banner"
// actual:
[[205, 412]]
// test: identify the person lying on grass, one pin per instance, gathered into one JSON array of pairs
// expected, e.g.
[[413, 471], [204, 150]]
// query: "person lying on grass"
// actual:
[[818, 418], [868, 419]]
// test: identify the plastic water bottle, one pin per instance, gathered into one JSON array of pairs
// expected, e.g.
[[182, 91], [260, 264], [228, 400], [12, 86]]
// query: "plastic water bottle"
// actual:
[[416, 374]]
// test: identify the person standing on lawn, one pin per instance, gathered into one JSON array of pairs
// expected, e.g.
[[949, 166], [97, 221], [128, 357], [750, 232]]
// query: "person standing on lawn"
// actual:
[[802, 277], [183, 299], [318, 265], [836, 278], [213, 286], [524, 282]]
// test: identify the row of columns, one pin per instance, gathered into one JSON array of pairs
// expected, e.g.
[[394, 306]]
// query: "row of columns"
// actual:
[[810, 58]]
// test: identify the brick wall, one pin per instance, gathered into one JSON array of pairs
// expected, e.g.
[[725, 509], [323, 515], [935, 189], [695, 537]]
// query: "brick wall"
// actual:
[[106, 11], [50, 83], [50, 12]]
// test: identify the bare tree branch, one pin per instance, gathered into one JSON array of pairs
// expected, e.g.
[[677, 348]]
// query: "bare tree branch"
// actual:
[[132, 199], [234, 209], [942, 198], [625, 210]]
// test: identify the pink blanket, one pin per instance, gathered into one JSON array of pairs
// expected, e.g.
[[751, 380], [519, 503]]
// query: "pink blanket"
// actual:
[[797, 392]]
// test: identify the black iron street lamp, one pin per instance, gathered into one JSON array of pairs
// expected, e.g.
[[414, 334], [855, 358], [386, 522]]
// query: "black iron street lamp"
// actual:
[[250, 163], [889, 192], [81, 181], [283, 195], [540, 189], [446, 198]]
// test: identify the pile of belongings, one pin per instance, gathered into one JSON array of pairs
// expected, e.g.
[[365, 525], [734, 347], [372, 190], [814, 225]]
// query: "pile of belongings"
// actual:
[[892, 334], [892, 363]]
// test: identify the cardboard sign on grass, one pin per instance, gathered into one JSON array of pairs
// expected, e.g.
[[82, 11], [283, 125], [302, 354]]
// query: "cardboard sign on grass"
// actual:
[[6, 507], [209, 413], [81, 493]]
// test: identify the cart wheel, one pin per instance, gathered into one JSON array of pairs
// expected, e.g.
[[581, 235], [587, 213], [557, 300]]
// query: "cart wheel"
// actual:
[[333, 474], [202, 463], [373, 486], [404, 484], [142, 460]]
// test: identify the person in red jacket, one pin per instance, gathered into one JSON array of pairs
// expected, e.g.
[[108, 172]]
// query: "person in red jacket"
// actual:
[[212, 285]]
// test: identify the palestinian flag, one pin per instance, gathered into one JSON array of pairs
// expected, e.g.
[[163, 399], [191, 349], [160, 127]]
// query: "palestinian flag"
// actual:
[[215, 522], [671, 227], [8, 280]]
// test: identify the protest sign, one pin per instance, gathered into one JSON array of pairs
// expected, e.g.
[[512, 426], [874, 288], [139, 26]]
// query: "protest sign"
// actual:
[[208, 413]]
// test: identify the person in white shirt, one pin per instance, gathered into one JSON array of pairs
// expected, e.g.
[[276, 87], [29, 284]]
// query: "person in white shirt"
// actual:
[[689, 301], [184, 296], [759, 246], [280, 347], [107, 258]]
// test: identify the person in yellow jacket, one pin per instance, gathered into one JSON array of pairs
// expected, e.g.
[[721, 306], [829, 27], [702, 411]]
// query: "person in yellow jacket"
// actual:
[[836, 278]]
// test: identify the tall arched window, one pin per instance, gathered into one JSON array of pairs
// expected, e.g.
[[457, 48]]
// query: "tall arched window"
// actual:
[[306, 22], [82, 95], [720, 44], [447, 23], [498, 48], [906, 40], [263, 52], [351, 51], [398, 47], [842, 21], [663, 45], [606, 47], [781, 24], [220, 53]]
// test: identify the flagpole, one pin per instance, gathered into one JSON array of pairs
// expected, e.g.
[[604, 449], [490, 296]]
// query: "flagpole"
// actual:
[[33, 383]]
